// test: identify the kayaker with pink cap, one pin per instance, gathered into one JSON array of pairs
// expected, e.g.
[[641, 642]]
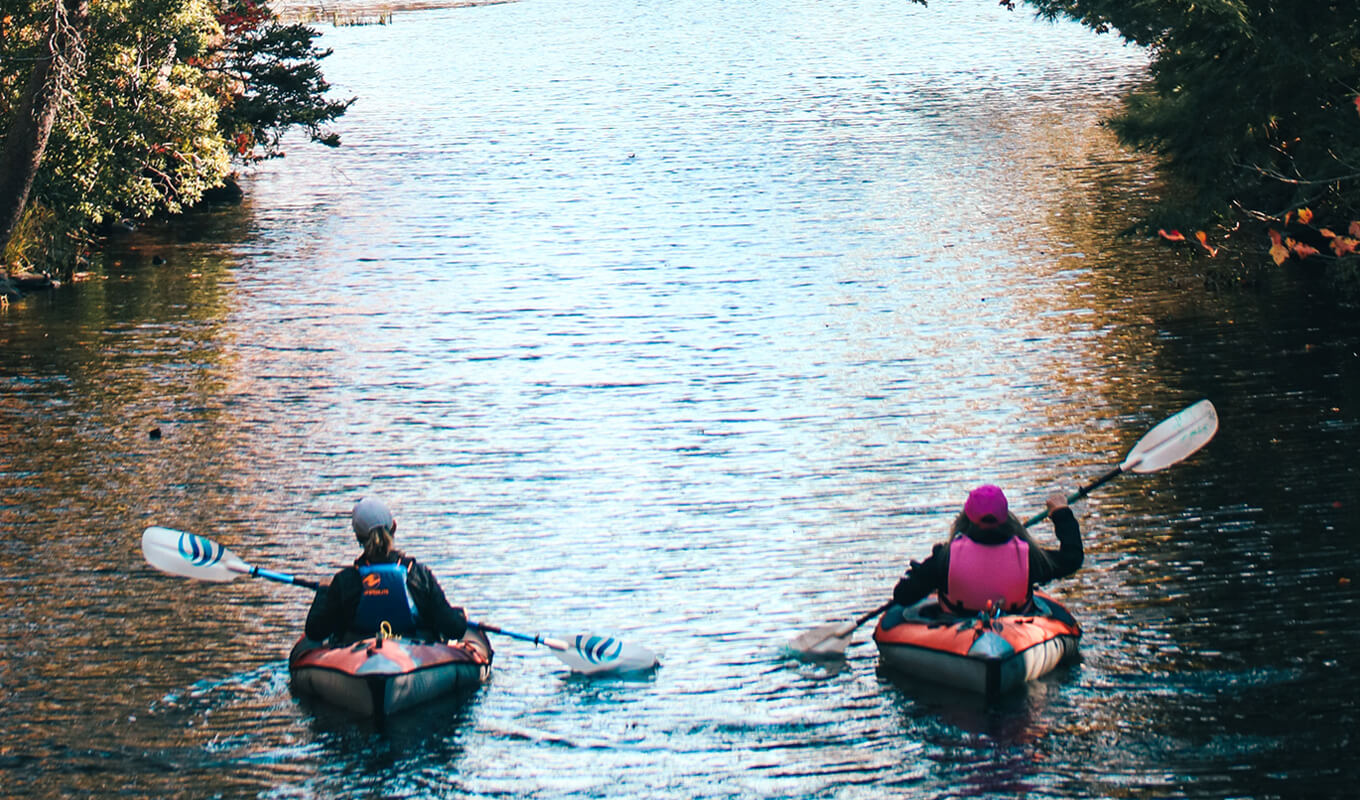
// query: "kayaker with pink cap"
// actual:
[[990, 557]]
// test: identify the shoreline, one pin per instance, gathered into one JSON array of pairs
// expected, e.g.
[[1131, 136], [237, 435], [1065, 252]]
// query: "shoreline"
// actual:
[[366, 12]]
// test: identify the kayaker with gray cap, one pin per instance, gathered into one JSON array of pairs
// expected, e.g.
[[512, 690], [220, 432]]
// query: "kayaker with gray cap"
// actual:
[[383, 586]]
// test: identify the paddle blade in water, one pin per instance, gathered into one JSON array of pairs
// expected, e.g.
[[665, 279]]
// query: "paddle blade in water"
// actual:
[[1175, 439], [590, 654], [824, 641], [190, 556]]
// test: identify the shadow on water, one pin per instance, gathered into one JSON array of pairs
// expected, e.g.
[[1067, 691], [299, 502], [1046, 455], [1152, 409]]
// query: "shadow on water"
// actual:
[[408, 754], [814, 668], [598, 687], [1013, 718], [442, 714], [988, 747]]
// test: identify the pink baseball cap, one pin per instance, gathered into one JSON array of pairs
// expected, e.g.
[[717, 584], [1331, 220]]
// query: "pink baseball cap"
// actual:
[[986, 506]]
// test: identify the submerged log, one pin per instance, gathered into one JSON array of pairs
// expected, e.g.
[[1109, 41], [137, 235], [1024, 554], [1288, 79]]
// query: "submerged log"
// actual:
[[30, 281]]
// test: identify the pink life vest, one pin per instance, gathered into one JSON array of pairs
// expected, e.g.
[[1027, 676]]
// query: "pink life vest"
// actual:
[[982, 572]]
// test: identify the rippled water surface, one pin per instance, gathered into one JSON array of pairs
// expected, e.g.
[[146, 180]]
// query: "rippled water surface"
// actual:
[[693, 322]]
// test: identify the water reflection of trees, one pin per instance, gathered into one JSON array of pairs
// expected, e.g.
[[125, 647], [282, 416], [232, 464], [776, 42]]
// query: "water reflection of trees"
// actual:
[[1200, 580]]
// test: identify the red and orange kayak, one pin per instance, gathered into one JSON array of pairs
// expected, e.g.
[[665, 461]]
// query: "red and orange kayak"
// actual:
[[981, 653], [381, 676]]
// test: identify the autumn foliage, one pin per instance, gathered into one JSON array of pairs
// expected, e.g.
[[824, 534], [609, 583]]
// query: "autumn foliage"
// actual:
[[243, 17], [1294, 237], [1284, 246]]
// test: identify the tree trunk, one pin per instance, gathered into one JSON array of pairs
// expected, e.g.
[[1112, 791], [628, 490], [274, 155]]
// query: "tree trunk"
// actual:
[[26, 140]]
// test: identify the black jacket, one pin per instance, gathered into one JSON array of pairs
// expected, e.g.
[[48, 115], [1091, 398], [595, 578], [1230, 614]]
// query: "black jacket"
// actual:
[[333, 608], [932, 575]]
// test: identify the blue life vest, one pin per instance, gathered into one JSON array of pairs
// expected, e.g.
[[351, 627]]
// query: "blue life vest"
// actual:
[[383, 598]]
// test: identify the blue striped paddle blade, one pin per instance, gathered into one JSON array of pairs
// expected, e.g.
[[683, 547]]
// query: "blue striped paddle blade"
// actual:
[[598, 649], [190, 556], [199, 551], [593, 654]]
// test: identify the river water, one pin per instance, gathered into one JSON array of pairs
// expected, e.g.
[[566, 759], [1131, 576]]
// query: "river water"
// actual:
[[692, 322]]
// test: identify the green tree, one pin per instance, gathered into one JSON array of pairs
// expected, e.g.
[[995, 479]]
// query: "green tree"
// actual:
[[1252, 102], [272, 81], [166, 93], [55, 60], [141, 136]]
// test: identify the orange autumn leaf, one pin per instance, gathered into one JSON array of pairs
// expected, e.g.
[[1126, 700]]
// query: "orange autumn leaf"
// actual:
[[1344, 245], [1204, 242], [1302, 250], [1357, 102], [1327, 233], [1171, 236], [1355, 229], [1306, 216], [1278, 251]]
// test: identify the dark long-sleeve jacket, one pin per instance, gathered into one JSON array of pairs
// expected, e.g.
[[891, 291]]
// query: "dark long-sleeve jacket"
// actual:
[[932, 575], [334, 607]]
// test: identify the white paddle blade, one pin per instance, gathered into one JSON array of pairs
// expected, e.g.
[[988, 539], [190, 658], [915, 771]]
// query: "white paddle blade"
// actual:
[[190, 556], [824, 641], [1175, 439], [590, 654]]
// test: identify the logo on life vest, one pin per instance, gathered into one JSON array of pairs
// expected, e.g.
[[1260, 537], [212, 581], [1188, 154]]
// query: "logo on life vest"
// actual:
[[372, 582]]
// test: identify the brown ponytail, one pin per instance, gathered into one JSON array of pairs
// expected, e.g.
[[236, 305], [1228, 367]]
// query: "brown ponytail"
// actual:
[[377, 544]]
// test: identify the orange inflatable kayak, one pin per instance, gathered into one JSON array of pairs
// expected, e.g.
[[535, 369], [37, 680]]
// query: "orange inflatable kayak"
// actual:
[[381, 676], [986, 654]]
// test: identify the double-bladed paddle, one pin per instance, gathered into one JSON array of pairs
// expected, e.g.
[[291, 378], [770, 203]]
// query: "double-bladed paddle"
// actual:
[[1173, 440], [191, 556]]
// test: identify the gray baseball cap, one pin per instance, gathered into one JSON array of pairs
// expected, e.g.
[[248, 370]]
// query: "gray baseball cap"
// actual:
[[370, 513]]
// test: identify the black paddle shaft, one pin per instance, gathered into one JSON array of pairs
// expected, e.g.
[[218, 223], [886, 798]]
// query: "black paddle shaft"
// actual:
[[1080, 493]]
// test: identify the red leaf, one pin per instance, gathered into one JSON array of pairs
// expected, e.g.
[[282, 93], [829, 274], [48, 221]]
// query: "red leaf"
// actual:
[[1344, 245], [1302, 250], [1171, 236], [1204, 242]]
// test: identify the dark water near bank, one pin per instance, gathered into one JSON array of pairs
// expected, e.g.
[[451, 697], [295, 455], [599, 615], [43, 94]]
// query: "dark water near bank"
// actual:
[[695, 322]]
